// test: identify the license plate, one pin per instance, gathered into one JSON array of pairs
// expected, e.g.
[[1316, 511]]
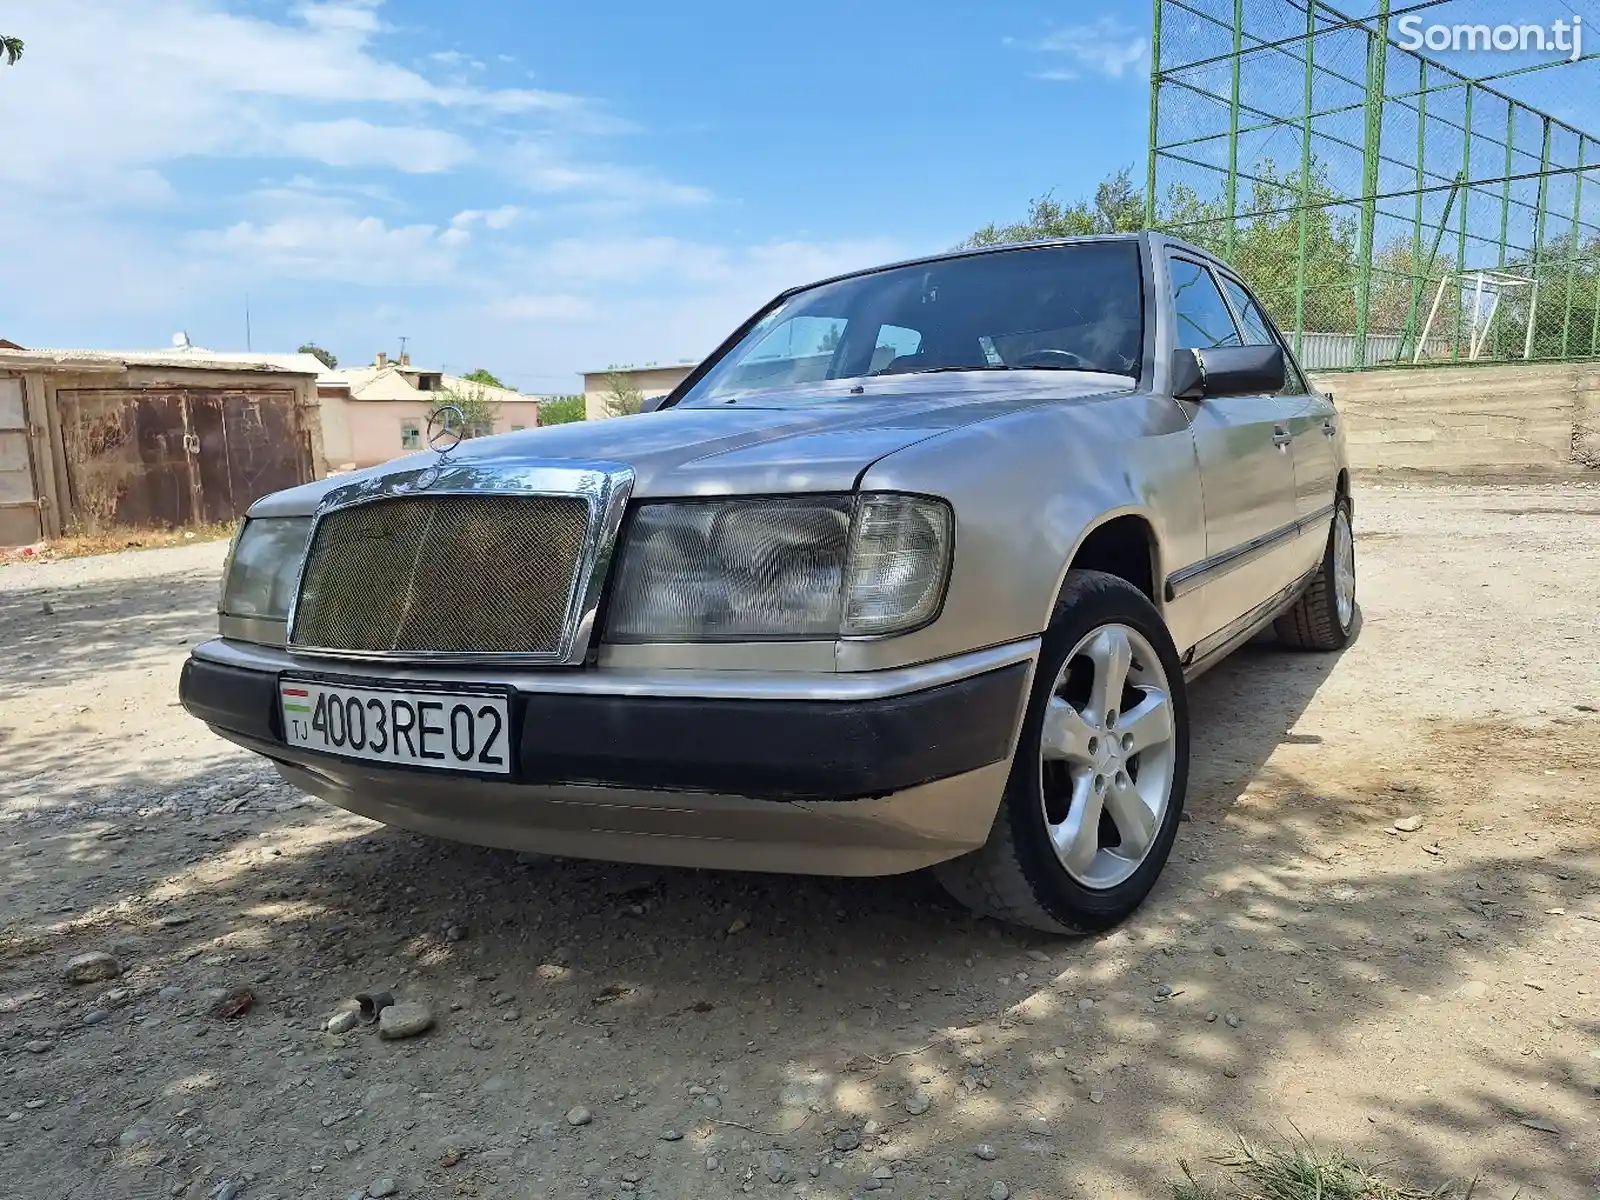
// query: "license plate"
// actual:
[[443, 731]]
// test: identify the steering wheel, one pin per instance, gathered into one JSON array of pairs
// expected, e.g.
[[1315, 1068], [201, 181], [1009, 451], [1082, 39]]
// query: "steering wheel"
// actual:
[[1050, 358]]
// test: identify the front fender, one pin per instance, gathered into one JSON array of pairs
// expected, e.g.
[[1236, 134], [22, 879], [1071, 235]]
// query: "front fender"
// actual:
[[1027, 488]]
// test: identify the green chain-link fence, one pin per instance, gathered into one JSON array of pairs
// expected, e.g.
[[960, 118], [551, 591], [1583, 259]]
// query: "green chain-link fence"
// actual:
[[1389, 207]]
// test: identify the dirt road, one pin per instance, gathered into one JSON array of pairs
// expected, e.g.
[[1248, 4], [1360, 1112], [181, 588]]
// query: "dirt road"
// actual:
[[1427, 997]]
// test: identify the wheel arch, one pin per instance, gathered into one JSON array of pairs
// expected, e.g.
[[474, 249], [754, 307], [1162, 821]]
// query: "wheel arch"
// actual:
[[1121, 542]]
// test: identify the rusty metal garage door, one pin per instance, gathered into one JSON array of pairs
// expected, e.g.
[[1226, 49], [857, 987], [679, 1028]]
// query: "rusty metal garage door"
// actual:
[[19, 496], [177, 456]]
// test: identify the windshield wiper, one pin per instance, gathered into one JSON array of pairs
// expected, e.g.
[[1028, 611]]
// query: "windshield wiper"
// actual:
[[984, 367]]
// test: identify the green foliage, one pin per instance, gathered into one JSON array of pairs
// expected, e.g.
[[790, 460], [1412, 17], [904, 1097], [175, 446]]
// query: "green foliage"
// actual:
[[475, 404], [623, 397], [10, 49], [1117, 207], [561, 410], [326, 357], [486, 378]]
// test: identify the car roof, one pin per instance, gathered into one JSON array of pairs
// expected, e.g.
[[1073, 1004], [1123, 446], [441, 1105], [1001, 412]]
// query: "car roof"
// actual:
[[1146, 235]]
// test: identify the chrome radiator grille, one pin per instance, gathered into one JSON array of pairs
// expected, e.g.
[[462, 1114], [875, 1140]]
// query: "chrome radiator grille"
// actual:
[[443, 574]]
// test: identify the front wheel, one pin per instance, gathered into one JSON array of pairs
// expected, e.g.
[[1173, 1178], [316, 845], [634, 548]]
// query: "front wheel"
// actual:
[[1099, 775], [1325, 615]]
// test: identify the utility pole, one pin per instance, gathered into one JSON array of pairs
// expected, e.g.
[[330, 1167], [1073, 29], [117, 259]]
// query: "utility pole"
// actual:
[[403, 342]]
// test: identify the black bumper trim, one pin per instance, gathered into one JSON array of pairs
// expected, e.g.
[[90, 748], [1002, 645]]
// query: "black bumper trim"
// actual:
[[761, 749]]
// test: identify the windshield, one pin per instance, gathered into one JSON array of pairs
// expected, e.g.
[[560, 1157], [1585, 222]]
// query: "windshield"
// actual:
[[1066, 308]]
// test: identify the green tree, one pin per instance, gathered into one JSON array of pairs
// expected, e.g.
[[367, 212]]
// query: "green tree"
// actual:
[[10, 49], [1117, 207], [479, 408], [488, 379], [561, 410], [623, 397], [326, 357]]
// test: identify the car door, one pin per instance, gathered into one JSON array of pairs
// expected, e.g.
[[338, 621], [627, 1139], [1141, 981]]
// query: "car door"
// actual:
[[1246, 469], [1313, 427]]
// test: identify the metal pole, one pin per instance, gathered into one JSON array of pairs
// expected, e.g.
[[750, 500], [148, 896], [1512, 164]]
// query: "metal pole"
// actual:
[[1594, 329], [1305, 182], [1477, 306], [1505, 195], [1538, 238], [1232, 187], [1461, 232], [1572, 249], [1416, 227], [1488, 322], [1155, 97], [1377, 64], [1433, 312]]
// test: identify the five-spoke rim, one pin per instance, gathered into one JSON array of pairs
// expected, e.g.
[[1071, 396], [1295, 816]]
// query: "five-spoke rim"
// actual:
[[1344, 569], [1107, 756]]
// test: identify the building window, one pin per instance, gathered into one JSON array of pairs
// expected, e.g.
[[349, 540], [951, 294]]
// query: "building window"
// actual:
[[518, 428], [480, 429], [410, 435]]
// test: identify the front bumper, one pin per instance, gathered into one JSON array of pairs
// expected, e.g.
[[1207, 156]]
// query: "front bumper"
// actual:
[[830, 774]]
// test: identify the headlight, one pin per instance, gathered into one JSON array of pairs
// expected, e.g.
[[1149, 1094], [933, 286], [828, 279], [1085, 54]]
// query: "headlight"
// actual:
[[263, 567], [792, 569]]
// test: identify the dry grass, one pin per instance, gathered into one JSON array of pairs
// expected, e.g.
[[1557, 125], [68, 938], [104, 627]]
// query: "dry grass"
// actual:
[[1299, 1171], [80, 545]]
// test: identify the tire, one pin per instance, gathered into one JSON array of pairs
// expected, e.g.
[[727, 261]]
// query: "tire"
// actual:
[[1018, 875], [1318, 621]]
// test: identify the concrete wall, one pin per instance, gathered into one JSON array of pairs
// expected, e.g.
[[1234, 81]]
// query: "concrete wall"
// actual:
[[1501, 418], [370, 430], [651, 381]]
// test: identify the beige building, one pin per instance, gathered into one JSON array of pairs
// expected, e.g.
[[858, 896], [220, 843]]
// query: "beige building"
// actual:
[[651, 381], [372, 414], [97, 439]]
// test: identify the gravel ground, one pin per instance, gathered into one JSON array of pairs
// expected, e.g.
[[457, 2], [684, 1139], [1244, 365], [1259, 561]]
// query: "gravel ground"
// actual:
[[1426, 997]]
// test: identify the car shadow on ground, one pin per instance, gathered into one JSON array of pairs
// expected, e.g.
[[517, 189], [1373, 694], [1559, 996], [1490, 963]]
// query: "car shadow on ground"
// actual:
[[805, 1008]]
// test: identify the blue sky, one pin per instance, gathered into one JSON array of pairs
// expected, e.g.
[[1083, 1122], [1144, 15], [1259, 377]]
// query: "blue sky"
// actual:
[[537, 189]]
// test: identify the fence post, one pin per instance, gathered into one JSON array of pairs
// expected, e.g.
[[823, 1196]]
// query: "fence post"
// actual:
[[1377, 65], [1305, 180], [1572, 248], [1461, 221], [1538, 238], [1155, 126], [1232, 186]]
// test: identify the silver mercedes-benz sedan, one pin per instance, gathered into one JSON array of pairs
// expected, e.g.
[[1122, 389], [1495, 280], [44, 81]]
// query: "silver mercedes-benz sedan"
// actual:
[[910, 572]]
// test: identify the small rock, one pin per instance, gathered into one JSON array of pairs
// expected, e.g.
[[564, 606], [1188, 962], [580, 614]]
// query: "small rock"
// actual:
[[1408, 824], [1085, 1004], [1220, 951], [1230, 1073], [999, 1191], [740, 924], [49, 610], [1212, 1015], [1097, 1097], [403, 1020], [1164, 992], [39, 1046], [777, 1166], [173, 920], [343, 1021], [226, 1190], [1038, 956], [847, 1140], [871, 1128], [579, 1115], [986, 1152], [917, 1103], [455, 933], [671, 1135], [95, 967], [712, 1162], [382, 1187], [1541, 1126], [95, 1016], [883, 1173], [1233, 1020], [1039, 1127]]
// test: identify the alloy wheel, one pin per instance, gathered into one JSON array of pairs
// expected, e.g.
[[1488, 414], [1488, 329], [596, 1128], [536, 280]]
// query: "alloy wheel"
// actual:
[[1344, 568], [1107, 752]]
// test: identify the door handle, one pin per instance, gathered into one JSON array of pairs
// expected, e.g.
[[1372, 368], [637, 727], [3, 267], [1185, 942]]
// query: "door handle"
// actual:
[[1281, 436], [1328, 428]]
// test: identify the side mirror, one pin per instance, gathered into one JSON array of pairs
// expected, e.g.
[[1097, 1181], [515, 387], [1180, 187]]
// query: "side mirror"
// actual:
[[653, 403], [1227, 371]]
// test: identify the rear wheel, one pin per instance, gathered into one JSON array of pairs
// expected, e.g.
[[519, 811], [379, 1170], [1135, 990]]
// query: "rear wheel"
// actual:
[[1101, 767], [1325, 615]]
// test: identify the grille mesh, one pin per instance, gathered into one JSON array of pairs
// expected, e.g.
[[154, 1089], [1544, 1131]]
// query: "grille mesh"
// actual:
[[463, 574]]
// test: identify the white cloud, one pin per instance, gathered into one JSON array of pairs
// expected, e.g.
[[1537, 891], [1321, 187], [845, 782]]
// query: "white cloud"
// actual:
[[542, 308], [330, 243], [1107, 47], [541, 167], [495, 218], [352, 142]]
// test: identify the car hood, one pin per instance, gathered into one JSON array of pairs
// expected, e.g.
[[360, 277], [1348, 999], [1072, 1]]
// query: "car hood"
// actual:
[[809, 438]]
